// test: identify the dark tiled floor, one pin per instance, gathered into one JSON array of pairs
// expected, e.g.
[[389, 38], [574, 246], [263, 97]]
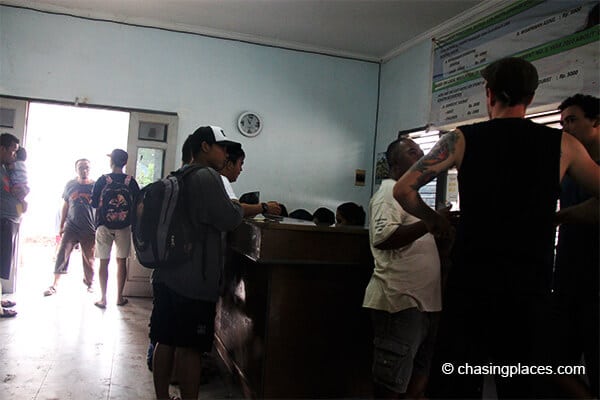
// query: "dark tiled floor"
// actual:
[[63, 347]]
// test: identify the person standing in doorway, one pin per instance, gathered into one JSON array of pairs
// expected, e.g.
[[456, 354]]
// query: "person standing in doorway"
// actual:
[[9, 216], [113, 196], [76, 226]]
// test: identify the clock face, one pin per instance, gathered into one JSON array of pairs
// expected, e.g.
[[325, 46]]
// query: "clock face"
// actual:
[[249, 124]]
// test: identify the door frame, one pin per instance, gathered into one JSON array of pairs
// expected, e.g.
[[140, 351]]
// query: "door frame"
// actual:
[[138, 284], [138, 277]]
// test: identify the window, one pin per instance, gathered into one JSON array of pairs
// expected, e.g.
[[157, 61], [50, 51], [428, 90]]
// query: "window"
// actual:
[[549, 118], [426, 139]]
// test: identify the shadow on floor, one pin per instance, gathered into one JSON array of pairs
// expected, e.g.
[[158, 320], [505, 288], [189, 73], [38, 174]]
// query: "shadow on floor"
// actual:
[[63, 347]]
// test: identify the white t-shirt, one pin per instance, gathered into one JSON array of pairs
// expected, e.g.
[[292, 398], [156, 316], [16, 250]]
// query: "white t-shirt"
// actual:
[[406, 277], [228, 188]]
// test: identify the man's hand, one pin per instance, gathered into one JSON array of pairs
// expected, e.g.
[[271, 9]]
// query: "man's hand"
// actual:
[[439, 225], [273, 208], [445, 243]]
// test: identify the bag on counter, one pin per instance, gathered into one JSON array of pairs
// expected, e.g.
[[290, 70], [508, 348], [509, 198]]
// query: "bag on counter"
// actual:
[[163, 234]]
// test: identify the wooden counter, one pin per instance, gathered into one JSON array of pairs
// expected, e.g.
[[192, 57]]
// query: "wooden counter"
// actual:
[[290, 323]]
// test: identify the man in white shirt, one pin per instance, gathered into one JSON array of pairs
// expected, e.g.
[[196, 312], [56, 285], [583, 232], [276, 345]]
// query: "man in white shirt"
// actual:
[[404, 293]]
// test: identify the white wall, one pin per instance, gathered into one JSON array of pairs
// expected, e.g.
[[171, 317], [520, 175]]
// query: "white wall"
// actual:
[[319, 111]]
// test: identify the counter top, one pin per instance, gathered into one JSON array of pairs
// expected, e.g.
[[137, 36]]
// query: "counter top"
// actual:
[[297, 241]]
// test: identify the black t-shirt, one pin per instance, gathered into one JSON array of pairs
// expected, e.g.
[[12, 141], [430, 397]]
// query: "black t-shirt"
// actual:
[[80, 215]]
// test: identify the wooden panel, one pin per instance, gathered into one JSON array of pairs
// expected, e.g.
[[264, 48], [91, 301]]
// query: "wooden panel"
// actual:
[[296, 328], [301, 243], [319, 339]]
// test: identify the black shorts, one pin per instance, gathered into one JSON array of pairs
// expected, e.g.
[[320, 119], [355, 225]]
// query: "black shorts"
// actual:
[[180, 321]]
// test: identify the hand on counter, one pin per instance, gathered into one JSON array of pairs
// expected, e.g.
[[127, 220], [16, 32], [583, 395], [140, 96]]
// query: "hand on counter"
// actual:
[[273, 208]]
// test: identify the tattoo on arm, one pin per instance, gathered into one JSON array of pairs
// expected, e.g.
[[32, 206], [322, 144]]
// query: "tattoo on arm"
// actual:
[[440, 152], [424, 179]]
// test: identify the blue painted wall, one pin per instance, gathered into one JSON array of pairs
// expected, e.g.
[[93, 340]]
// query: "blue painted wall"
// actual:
[[319, 111]]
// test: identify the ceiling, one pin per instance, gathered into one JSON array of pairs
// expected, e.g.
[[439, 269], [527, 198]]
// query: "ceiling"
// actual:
[[372, 30]]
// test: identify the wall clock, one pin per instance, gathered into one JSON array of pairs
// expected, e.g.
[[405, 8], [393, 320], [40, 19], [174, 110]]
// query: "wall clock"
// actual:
[[250, 123]]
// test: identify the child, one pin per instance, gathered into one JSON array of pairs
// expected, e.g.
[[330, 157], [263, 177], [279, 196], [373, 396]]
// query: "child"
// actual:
[[17, 173]]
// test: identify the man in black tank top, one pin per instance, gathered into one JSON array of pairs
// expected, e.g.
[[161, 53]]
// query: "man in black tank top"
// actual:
[[498, 291]]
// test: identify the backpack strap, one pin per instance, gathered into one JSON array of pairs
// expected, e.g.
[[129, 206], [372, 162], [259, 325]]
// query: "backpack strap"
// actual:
[[186, 171], [107, 181]]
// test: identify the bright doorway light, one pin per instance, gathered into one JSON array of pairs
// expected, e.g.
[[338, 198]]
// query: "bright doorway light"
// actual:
[[56, 137]]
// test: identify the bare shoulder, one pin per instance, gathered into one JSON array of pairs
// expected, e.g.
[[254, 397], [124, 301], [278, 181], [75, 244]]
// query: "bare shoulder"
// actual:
[[570, 147]]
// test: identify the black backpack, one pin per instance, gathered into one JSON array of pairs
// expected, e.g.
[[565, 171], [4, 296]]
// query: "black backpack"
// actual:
[[115, 203], [163, 234]]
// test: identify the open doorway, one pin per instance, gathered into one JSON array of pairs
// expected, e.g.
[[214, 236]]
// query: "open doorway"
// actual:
[[56, 137]]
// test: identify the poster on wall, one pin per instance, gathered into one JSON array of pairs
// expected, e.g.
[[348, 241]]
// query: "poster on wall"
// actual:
[[381, 168], [559, 37]]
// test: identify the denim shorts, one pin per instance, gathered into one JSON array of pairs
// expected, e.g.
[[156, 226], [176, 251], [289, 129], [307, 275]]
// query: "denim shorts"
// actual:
[[403, 346]]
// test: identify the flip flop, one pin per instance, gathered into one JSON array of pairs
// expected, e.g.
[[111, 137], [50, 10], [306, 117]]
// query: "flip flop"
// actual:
[[8, 314], [122, 303], [8, 304], [100, 305]]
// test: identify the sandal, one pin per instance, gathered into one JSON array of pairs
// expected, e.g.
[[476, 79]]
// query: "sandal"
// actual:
[[8, 304], [122, 303], [50, 291], [8, 314], [100, 305]]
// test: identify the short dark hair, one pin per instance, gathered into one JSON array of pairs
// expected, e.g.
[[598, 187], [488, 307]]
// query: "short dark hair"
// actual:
[[234, 152], [80, 160], [323, 216], [513, 80], [6, 140], [391, 154], [284, 212], [589, 104], [186, 151], [353, 213], [119, 157], [301, 213]]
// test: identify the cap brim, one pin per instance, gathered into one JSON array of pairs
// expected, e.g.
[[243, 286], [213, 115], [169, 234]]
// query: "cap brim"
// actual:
[[226, 142]]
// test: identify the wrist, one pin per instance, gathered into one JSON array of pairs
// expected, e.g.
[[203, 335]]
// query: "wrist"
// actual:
[[264, 207]]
